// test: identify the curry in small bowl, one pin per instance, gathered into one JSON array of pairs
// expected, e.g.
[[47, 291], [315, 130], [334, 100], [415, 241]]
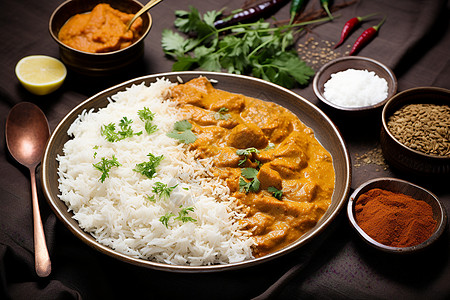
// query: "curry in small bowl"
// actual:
[[104, 29], [92, 35]]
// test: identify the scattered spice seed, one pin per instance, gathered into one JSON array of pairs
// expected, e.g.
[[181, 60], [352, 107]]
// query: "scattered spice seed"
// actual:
[[373, 156], [317, 53]]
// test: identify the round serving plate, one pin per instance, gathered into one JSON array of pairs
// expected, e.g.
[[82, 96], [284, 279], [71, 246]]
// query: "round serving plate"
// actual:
[[325, 132]]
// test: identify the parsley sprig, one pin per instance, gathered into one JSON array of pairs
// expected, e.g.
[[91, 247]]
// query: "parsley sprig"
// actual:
[[182, 131], [221, 114], [147, 117], [276, 193], [162, 190], [110, 134], [250, 185], [183, 214], [253, 49], [166, 218], [148, 168], [105, 165], [246, 153]]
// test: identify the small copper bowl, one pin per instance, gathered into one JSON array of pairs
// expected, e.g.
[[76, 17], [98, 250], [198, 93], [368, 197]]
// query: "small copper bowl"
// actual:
[[357, 63], [97, 64], [404, 187], [402, 157]]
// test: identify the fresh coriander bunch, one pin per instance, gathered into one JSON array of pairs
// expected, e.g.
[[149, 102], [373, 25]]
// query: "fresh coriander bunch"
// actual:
[[256, 49]]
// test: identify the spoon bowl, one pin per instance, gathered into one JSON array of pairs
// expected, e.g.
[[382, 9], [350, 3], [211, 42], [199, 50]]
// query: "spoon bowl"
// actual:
[[27, 133]]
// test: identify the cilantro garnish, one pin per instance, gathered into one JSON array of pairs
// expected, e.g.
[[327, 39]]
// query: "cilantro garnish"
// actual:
[[221, 114], [182, 214], [147, 116], [276, 193], [182, 131], [162, 190], [151, 198], [165, 219], [110, 134], [249, 186], [105, 165], [246, 153], [149, 168], [253, 49]]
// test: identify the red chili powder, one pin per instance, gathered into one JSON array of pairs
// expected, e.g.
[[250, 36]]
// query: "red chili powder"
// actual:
[[394, 219]]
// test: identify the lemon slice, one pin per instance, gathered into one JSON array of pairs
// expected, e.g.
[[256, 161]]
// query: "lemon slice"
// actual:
[[41, 74]]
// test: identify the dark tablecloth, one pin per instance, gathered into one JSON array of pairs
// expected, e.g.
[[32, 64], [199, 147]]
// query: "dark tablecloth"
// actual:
[[414, 42]]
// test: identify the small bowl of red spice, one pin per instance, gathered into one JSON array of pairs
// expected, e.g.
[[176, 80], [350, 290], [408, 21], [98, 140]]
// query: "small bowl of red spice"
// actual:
[[395, 215]]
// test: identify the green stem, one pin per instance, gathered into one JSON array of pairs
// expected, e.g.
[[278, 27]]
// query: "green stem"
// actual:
[[218, 31], [379, 24]]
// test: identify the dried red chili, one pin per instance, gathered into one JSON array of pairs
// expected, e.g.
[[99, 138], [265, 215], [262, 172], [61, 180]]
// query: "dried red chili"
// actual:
[[260, 10], [394, 219], [366, 37], [350, 25]]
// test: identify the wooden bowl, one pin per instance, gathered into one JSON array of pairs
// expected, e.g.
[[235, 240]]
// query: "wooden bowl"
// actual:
[[399, 186], [402, 157], [357, 63], [97, 64]]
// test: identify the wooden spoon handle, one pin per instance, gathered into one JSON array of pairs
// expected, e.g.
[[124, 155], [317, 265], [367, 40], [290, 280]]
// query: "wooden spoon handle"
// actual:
[[42, 260]]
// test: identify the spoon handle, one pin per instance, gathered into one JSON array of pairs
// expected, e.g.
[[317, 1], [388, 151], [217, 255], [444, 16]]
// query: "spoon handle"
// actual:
[[147, 6], [42, 260]]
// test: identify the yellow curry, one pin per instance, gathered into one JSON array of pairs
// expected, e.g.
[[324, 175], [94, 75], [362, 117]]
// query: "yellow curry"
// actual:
[[295, 175], [101, 30]]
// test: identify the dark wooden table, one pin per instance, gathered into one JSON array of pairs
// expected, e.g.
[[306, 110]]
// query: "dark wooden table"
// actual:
[[414, 42]]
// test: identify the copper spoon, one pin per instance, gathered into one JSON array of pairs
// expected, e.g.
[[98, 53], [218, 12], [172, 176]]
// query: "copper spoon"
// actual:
[[147, 6], [27, 133]]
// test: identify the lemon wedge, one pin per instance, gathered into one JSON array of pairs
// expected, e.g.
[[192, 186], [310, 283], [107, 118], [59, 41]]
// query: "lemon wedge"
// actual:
[[41, 74]]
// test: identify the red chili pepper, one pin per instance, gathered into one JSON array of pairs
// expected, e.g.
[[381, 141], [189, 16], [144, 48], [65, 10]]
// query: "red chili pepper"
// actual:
[[366, 37], [350, 26]]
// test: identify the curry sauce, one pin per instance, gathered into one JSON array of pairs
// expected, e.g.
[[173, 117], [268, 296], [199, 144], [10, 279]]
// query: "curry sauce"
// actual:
[[101, 30], [241, 133]]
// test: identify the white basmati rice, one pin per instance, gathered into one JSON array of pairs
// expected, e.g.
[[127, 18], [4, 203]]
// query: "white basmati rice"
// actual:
[[118, 213]]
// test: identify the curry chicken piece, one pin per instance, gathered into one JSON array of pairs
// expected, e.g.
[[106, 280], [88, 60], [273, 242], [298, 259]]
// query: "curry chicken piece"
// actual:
[[295, 164], [247, 135]]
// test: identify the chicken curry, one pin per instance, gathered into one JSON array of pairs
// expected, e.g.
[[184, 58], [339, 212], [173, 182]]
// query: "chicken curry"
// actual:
[[101, 30], [271, 162]]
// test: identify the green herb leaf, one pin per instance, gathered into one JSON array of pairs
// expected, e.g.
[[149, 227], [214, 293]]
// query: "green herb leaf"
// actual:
[[151, 198], [147, 116], [182, 131], [249, 186], [276, 193], [247, 151], [105, 165], [165, 219], [182, 215], [255, 49], [149, 168], [162, 190], [249, 173], [110, 134], [221, 114]]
